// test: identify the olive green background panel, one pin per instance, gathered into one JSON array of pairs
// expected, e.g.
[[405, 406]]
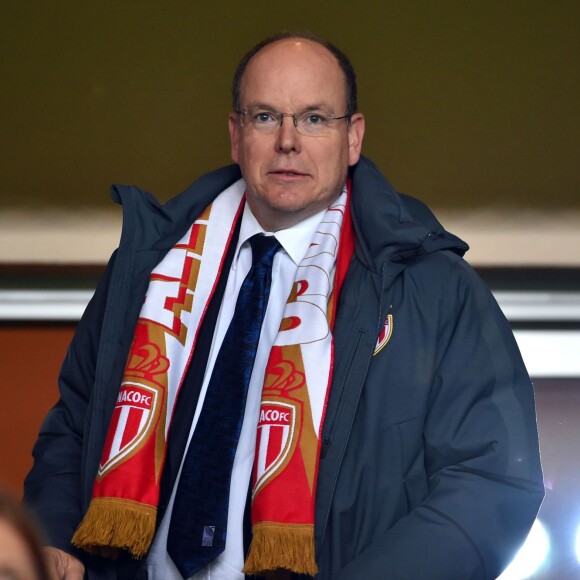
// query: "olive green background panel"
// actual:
[[468, 103]]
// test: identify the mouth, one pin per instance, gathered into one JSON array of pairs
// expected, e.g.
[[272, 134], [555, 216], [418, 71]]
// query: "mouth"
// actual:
[[288, 173]]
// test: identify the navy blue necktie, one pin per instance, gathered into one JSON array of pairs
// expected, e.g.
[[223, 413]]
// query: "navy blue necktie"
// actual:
[[197, 530]]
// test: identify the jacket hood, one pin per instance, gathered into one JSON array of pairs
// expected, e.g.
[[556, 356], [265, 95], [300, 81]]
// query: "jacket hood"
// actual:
[[152, 225], [411, 228]]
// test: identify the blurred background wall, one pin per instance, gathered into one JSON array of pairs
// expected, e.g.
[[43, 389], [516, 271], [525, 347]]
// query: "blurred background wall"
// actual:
[[471, 106]]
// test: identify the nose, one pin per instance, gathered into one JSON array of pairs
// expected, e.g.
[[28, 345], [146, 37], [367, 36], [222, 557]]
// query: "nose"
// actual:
[[288, 138]]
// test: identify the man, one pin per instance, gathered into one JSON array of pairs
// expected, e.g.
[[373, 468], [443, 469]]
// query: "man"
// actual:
[[388, 427]]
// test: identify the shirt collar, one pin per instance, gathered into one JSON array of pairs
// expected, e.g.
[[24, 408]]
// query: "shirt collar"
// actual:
[[295, 240]]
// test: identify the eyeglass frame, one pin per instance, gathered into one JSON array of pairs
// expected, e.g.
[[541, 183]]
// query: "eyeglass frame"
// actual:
[[279, 116]]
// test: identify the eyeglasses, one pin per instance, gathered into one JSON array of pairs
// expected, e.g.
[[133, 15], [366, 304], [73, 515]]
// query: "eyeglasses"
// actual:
[[309, 123]]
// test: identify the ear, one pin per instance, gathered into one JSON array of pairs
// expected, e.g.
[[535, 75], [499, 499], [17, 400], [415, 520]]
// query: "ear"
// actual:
[[356, 131], [234, 136]]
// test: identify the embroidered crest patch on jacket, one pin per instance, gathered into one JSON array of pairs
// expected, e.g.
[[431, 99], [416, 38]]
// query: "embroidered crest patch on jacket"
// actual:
[[384, 335]]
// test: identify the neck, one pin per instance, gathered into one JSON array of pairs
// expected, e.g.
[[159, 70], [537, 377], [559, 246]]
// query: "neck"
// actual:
[[274, 220]]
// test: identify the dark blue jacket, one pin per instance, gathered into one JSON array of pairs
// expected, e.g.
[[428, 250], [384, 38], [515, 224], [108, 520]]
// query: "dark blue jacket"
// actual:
[[430, 465]]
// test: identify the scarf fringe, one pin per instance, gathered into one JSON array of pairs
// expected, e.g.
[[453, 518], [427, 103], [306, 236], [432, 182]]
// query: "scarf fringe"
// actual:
[[112, 524], [285, 546]]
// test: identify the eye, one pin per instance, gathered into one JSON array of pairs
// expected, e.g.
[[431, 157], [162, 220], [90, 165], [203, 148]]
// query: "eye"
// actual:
[[263, 117], [315, 119]]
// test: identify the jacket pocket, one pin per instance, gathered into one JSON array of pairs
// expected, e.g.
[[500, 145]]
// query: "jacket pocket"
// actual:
[[415, 479]]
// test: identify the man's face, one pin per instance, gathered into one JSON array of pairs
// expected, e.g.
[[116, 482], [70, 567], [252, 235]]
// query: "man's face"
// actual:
[[290, 176]]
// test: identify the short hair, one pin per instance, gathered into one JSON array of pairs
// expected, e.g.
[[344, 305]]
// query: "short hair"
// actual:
[[341, 58]]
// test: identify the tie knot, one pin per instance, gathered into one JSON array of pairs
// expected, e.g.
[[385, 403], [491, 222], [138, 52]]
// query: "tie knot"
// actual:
[[264, 249]]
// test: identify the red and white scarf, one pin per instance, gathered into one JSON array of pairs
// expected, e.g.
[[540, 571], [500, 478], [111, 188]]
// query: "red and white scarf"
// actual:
[[123, 510]]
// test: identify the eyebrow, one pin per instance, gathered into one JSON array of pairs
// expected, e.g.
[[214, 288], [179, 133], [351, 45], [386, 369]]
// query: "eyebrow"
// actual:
[[267, 107]]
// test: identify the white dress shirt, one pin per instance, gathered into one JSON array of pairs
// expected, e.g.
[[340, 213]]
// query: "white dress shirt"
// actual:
[[295, 242]]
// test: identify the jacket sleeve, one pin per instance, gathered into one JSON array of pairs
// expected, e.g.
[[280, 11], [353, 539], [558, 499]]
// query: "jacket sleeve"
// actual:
[[480, 453], [52, 488]]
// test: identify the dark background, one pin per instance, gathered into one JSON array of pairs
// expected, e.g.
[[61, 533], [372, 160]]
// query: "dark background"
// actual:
[[468, 104]]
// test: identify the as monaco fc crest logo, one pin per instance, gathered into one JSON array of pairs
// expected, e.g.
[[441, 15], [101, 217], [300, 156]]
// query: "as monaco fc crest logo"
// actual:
[[384, 335], [133, 419], [276, 439]]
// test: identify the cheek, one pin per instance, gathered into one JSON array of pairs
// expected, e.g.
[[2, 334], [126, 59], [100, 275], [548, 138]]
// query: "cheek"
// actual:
[[251, 158], [333, 154], [334, 163]]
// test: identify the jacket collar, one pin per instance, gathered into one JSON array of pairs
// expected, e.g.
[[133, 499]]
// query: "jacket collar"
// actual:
[[389, 227], [392, 227], [150, 225]]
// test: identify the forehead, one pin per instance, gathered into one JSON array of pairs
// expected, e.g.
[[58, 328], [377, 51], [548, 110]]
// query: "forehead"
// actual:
[[291, 72]]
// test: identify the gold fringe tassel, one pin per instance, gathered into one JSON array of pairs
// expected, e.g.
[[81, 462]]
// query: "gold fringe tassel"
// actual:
[[287, 546], [113, 524]]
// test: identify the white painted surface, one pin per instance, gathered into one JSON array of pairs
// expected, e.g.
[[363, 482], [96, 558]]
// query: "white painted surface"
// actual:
[[496, 237]]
